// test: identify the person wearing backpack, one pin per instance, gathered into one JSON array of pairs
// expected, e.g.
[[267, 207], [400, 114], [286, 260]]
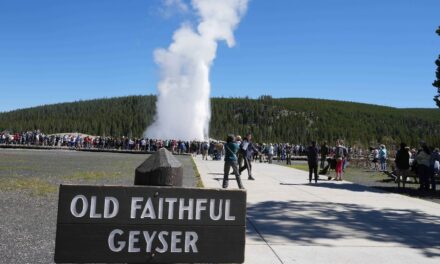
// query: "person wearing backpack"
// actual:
[[339, 156], [231, 161]]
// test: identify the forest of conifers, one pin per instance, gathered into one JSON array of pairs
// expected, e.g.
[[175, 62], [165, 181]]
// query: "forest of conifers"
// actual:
[[293, 120]]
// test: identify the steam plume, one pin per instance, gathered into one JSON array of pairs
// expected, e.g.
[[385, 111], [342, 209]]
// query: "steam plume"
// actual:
[[183, 103]]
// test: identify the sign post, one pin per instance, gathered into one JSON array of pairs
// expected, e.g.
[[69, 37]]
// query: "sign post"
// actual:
[[150, 224]]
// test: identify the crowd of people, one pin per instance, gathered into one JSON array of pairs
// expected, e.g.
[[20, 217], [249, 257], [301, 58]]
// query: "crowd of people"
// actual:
[[424, 162], [213, 148], [82, 141]]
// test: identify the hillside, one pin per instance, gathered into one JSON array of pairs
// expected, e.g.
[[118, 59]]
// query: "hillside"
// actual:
[[285, 119]]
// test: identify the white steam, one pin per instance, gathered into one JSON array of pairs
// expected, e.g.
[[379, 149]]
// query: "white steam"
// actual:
[[183, 103]]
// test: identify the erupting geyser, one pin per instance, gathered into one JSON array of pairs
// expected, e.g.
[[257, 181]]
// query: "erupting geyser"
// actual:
[[183, 108]]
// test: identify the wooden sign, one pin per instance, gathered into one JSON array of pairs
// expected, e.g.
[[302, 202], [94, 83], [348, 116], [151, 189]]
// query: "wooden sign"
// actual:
[[146, 224]]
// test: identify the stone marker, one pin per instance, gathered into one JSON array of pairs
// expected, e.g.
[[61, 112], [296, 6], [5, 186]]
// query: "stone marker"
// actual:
[[160, 169]]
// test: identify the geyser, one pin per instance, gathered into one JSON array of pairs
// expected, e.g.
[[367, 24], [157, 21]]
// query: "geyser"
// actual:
[[183, 108]]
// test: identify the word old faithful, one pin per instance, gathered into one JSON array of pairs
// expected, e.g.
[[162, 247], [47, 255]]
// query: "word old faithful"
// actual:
[[163, 208]]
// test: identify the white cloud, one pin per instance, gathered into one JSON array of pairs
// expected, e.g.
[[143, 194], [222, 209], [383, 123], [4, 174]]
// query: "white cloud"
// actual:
[[172, 7]]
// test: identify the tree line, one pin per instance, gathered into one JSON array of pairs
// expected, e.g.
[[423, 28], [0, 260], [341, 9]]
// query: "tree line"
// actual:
[[295, 120], [436, 82]]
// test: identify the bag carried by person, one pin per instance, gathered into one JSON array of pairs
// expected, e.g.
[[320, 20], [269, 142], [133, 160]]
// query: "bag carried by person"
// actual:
[[436, 166], [243, 147], [339, 155]]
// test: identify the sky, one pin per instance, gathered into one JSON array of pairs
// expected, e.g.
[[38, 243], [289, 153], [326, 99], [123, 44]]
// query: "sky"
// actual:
[[379, 52]]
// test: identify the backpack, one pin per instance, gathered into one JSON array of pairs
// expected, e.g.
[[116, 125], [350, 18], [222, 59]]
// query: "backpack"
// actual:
[[339, 155], [436, 166]]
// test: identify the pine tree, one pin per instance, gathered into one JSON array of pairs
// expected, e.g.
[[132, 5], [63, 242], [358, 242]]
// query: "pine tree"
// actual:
[[436, 83]]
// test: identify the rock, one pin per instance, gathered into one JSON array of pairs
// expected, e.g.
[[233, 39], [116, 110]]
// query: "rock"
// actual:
[[160, 169]]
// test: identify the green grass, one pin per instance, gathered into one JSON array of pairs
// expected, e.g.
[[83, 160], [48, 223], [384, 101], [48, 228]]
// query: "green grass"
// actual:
[[93, 175], [359, 175], [350, 172], [199, 183], [303, 167], [33, 186], [15, 167]]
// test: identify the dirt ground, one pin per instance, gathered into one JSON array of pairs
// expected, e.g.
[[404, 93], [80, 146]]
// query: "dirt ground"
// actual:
[[29, 181]]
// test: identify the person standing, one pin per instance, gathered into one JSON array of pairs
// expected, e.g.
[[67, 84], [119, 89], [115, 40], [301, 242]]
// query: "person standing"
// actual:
[[423, 160], [279, 152], [383, 158], [193, 148], [435, 167], [339, 156], [402, 164], [374, 157], [238, 140], [231, 161], [218, 152], [289, 154], [143, 144], [324, 152], [247, 149], [312, 160], [205, 147], [270, 152]]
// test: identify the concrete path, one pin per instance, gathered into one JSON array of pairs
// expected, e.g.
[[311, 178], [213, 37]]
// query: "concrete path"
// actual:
[[292, 221]]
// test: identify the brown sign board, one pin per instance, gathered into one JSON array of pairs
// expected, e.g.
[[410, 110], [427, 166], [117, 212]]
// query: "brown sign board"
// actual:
[[149, 224]]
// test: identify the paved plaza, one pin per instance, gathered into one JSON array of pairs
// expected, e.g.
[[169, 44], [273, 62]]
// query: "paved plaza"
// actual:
[[292, 221]]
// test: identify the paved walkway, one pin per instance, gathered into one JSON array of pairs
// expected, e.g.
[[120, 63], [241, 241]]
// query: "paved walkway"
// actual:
[[291, 221]]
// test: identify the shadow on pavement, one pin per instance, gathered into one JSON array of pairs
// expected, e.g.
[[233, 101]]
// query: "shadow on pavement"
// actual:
[[340, 186], [307, 223]]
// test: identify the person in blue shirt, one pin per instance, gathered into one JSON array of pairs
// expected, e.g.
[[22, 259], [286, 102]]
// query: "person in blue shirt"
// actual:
[[231, 161]]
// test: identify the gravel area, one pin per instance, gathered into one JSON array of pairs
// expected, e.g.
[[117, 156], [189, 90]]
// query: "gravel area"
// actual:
[[29, 182]]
